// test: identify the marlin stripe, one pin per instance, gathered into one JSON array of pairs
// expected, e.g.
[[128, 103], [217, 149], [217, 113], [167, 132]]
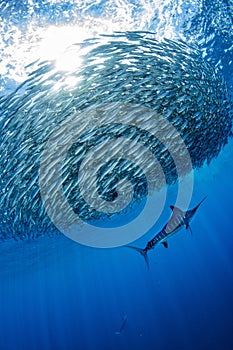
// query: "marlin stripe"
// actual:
[[177, 221]]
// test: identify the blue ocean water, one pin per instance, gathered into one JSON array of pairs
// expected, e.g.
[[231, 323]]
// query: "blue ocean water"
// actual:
[[57, 294]]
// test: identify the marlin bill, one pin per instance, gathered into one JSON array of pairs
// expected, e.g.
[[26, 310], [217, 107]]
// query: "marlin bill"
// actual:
[[177, 221]]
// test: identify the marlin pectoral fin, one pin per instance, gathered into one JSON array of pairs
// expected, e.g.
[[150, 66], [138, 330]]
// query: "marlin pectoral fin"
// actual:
[[188, 226], [165, 244]]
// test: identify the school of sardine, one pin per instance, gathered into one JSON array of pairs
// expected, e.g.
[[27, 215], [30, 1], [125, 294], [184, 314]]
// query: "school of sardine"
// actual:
[[168, 77]]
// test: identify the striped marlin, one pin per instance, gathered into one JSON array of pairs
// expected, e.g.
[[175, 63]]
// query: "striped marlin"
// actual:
[[177, 221]]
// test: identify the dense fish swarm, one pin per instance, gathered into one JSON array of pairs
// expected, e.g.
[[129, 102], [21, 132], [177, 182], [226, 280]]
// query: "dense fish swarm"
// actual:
[[168, 77]]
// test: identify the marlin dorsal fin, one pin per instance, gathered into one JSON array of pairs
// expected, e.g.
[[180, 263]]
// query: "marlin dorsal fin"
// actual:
[[176, 210]]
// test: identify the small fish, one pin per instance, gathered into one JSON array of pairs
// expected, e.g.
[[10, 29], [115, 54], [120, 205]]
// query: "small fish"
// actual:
[[178, 220], [124, 320]]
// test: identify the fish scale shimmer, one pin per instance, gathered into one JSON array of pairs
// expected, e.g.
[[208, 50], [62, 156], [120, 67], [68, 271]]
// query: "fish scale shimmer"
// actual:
[[168, 77]]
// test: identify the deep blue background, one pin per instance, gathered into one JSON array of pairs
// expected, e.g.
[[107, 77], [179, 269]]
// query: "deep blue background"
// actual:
[[56, 294]]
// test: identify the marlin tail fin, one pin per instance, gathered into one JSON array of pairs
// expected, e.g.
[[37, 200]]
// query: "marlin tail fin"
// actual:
[[143, 252]]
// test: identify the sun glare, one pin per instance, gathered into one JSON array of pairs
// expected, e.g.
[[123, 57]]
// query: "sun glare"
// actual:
[[56, 43], [19, 49]]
